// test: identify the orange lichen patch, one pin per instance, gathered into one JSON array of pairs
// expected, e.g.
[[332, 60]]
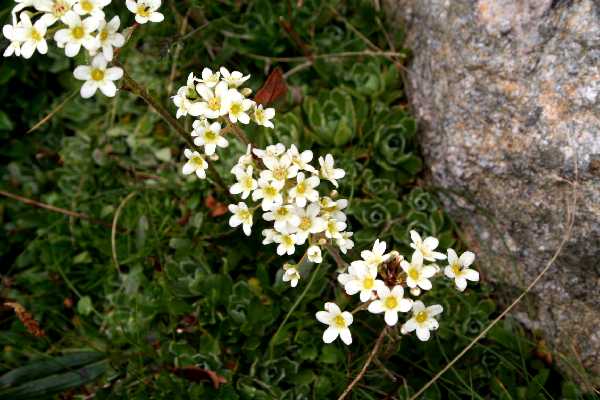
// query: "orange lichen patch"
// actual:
[[553, 104]]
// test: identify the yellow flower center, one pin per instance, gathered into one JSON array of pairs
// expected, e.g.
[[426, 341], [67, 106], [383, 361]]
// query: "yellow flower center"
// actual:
[[270, 191], [248, 182], [368, 283], [97, 74], [143, 11], [78, 32], [59, 9], [197, 161], [414, 274], [456, 269], [235, 109], [280, 173], [214, 104], [35, 35], [210, 136], [87, 6], [103, 35], [305, 223], [282, 211], [259, 115], [301, 188], [245, 215], [390, 303], [339, 321], [421, 316], [287, 240]]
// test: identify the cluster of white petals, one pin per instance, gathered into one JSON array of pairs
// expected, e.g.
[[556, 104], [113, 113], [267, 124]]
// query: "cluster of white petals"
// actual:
[[77, 25], [380, 279], [217, 102], [284, 187]]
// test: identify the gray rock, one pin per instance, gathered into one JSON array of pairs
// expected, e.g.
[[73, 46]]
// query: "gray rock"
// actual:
[[508, 95]]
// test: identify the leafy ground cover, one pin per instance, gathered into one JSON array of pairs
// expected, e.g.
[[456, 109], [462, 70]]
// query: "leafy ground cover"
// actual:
[[144, 291]]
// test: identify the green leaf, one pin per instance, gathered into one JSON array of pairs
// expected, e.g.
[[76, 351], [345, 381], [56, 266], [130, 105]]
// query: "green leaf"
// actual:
[[84, 306]]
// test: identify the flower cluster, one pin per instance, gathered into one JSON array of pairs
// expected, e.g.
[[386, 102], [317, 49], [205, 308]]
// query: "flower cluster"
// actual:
[[76, 24], [217, 100], [285, 188], [387, 295]]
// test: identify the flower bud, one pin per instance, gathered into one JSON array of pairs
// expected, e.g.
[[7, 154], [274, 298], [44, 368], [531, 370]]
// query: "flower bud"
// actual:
[[322, 242], [246, 91], [415, 291], [333, 194]]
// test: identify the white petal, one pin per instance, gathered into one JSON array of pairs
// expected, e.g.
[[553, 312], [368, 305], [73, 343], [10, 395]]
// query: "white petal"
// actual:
[[114, 73], [188, 168], [461, 283], [423, 334], [434, 310], [346, 336], [352, 287], [332, 308], [467, 258], [376, 307], [88, 89], [330, 335], [405, 305], [410, 325], [415, 237], [452, 256], [391, 318], [471, 274], [418, 306], [108, 88], [323, 317], [431, 242], [156, 17], [424, 284]]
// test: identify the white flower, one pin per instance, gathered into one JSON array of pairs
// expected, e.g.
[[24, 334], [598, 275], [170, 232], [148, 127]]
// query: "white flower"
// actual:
[[329, 172], [145, 10], [184, 105], [344, 242], [269, 235], [108, 37], [279, 169], [362, 278], [333, 209], [287, 243], [334, 228], [375, 256], [245, 183], [426, 247], [97, 76], [390, 303], [416, 273], [11, 32], [91, 7], [214, 104], [196, 164], [284, 218], [269, 192], [274, 150], [53, 10], [458, 269], [304, 190], [243, 161], [32, 36], [209, 78], [77, 34], [233, 79], [236, 106], [262, 116], [22, 4], [208, 136], [241, 216], [309, 222], [338, 322], [314, 254], [422, 320], [301, 160], [291, 275]]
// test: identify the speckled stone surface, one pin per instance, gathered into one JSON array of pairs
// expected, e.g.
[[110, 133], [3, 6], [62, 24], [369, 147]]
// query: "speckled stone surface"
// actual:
[[508, 95]]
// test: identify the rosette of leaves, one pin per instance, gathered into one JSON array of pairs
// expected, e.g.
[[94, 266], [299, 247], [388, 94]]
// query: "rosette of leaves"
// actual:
[[290, 130], [395, 147], [333, 117], [378, 187]]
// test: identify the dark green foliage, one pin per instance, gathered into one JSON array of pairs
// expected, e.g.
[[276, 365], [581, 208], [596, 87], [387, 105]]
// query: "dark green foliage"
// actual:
[[189, 291]]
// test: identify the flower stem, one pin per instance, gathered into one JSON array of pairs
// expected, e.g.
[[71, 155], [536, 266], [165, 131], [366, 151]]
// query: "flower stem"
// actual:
[[295, 305], [136, 88]]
